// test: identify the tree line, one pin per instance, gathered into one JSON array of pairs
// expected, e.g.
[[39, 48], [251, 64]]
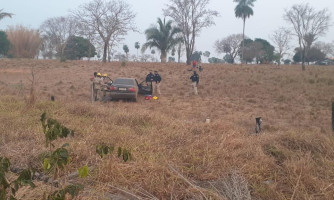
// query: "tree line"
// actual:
[[96, 27]]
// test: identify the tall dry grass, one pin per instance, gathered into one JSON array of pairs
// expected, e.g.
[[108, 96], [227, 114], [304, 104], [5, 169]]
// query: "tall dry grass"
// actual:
[[24, 42], [175, 154]]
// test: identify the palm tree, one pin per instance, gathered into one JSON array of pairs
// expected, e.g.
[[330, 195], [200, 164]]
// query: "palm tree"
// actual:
[[163, 38], [137, 46], [4, 14], [126, 49], [243, 10]]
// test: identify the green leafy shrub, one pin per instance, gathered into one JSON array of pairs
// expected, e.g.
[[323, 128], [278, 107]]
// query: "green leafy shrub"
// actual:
[[53, 129], [72, 190], [103, 149], [56, 160], [24, 179]]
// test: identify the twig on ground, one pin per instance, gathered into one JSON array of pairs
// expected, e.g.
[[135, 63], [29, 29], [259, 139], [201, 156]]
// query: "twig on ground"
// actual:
[[294, 191], [186, 180], [146, 193], [124, 191]]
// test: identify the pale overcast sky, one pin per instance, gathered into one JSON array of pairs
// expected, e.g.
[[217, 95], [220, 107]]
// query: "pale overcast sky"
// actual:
[[268, 16]]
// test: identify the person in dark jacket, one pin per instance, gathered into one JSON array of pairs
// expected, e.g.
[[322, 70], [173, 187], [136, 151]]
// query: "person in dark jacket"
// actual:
[[149, 77], [149, 81], [157, 80], [194, 82]]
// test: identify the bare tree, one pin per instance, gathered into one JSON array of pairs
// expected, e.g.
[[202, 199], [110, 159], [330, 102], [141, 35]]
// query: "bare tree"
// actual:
[[281, 38], [230, 45], [180, 51], [57, 30], [113, 43], [191, 17], [47, 48], [5, 14], [308, 24], [110, 20], [146, 57], [326, 48]]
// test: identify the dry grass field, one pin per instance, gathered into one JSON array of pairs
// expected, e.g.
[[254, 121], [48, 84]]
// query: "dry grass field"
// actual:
[[176, 155]]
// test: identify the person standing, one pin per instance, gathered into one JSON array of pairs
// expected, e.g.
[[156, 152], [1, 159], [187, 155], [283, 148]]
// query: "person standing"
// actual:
[[157, 80], [194, 82], [97, 83], [200, 68], [194, 64], [104, 86], [95, 75], [149, 77], [93, 95]]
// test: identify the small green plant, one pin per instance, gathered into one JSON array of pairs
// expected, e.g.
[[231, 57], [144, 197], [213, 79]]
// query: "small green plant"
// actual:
[[119, 151], [123, 63], [55, 161], [103, 150], [72, 190], [24, 179], [83, 171], [53, 129], [126, 155]]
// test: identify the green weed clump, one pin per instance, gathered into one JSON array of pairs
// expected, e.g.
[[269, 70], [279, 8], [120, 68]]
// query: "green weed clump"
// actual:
[[57, 159], [103, 150], [9, 189]]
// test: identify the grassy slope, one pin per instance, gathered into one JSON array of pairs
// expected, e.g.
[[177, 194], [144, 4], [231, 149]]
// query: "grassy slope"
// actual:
[[292, 158]]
